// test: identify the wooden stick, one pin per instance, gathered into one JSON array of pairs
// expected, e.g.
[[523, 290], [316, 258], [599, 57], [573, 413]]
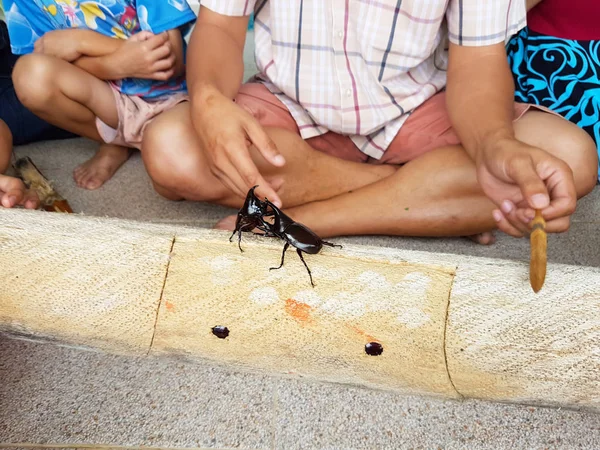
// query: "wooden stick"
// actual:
[[539, 247], [35, 180]]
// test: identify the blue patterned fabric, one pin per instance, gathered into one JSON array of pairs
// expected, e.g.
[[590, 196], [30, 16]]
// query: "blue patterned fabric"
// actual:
[[560, 74], [28, 20]]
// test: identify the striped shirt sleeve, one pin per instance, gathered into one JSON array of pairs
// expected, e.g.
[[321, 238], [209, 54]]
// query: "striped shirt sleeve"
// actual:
[[484, 22], [230, 7]]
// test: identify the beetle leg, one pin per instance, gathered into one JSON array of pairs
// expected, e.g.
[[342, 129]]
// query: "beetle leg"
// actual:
[[329, 244], [305, 265], [267, 232], [238, 230], [240, 241], [285, 247], [232, 234]]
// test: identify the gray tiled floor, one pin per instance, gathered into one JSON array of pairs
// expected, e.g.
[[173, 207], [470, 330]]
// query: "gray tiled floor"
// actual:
[[53, 395]]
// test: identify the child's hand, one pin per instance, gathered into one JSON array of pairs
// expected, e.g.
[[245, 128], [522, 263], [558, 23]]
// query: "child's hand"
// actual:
[[14, 193], [145, 55], [63, 44]]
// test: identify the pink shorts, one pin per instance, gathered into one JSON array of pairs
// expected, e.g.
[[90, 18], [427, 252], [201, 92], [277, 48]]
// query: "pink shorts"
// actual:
[[427, 128], [135, 114]]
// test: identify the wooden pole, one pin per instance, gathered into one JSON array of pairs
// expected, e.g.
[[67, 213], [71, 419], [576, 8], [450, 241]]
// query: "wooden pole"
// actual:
[[420, 323]]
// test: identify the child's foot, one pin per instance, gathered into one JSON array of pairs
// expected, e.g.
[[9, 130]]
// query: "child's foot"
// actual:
[[101, 167]]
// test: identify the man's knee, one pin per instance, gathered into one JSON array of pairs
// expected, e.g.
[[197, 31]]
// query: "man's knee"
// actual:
[[34, 79], [175, 166]]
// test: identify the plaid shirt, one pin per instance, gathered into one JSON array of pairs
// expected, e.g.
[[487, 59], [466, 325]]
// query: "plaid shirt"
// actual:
[[360, 67]]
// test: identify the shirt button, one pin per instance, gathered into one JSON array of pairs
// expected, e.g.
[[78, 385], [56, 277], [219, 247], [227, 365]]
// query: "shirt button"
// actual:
[[340, 34], [348, 92]]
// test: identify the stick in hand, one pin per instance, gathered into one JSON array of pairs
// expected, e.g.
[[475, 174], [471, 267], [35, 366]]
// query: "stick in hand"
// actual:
[[36, 181], [539, 246]]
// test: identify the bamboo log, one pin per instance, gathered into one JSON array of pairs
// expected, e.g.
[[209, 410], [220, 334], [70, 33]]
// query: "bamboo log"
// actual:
[[414, 322]]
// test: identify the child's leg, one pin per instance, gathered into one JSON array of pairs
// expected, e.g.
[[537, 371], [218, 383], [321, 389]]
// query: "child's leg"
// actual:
[[5, 146], [24, 126], [71, 99]]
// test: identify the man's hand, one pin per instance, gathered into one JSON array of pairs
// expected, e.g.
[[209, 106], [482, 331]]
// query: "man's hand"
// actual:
[[226, 131], [63, 44], [519, 178], [14, 193], [144, 55]]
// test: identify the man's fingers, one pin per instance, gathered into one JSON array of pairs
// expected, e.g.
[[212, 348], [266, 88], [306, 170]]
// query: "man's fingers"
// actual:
[[13, 193], [249, 175], [263, 143], [522, 171], [524, 217], [227, 174], [504, 225], [30, 200], [563, 194], [7, 201], [264, 188], [560, 225], [516, 219], [224, 178], [223, 168], [13, 198]]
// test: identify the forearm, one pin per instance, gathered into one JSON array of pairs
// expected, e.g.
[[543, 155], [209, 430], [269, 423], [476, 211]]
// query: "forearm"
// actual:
[[480, 96], [215, 60], [177, 48], [95, 49], [92, 49], [106, 67], [92, 43], [98, 66]]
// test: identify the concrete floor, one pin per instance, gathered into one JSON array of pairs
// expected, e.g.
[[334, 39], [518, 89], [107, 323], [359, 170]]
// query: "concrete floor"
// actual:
[[64, 397]]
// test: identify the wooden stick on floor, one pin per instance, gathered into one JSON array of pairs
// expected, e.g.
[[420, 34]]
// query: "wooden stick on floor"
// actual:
[[539, 247], [36, 181]]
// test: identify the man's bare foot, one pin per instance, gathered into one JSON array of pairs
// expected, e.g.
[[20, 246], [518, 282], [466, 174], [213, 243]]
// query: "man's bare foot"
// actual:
[[101, 167], [486, 238], [226, 224]]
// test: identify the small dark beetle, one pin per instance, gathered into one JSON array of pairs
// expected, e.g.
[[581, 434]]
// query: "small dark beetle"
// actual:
[[294, 234], [250, 217]]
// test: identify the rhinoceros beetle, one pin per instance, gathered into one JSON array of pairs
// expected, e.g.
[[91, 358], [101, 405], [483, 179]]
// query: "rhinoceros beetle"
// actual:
[[295, 234], [252, 216]]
